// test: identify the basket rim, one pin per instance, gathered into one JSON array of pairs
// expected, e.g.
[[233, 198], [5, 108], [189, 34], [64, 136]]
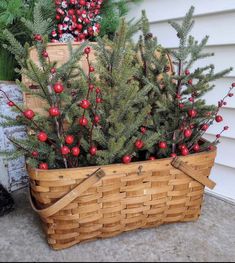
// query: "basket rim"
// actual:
[[135, 164]]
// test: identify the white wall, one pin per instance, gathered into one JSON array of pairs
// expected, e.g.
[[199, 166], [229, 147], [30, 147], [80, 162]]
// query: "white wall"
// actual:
[[217, 19]]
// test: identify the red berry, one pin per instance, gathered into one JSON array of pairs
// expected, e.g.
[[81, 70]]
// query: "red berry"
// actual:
[[211, 147], [11, 104], [139, 144], [57, 17], [69, 139], [83, 121], [79, 26], [126, 159], [97, 119], [87, 50], [187, 72], [188, 133], [191, 99], [173, 155], [219, 118], [42, 137], [233, 85], [93, 150], [218, 136], [91, 69], [178, 96], [98, 90], [230, 95], [43, 166], [185, 151], [98, 100], [143, 130], [38, 37], [58, 87], [192, 113], [152, 158], [182, 146], [71, 12], [196, 147], [35, 154], [181, 105], [54, 112], [226, 128], [190, 82], [45, 54], [29, 114], [53, 70], [82, 2], [91, 87], [162, 145], [65, 150], [85, 104], [76, 151], [204, 127]]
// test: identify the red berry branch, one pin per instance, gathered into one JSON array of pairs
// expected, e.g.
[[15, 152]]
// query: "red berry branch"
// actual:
[[218, 118]]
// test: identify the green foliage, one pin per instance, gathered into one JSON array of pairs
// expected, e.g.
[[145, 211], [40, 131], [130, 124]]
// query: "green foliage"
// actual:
[[112, 11], [13, 17], [168, 117], [140, 97]]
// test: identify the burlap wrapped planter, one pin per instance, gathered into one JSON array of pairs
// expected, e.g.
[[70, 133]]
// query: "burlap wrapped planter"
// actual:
[[83, 204]]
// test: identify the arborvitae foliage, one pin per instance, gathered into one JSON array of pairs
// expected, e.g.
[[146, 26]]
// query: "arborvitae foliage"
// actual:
[[178, 108], [126, 108], [111, 12]]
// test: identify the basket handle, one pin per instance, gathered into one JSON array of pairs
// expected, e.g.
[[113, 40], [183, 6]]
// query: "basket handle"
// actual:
[[71, 196], [196, 175]]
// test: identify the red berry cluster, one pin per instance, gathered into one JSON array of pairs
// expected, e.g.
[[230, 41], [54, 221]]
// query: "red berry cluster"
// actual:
[[79, 18]]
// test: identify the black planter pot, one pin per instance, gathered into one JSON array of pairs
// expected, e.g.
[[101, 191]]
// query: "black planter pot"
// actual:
[[6, 202]]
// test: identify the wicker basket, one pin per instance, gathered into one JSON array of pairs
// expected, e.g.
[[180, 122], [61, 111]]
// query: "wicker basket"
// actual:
[[59, 53], [84, 204]]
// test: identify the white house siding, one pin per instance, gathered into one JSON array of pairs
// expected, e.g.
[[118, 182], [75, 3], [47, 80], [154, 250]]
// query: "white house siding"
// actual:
[[217, 19]]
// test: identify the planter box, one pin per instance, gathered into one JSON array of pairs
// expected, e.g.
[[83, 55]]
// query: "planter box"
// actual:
[[83, 204]]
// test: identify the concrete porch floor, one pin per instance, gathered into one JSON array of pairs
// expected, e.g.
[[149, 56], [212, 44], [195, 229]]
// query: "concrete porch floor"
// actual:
[[211, 239]]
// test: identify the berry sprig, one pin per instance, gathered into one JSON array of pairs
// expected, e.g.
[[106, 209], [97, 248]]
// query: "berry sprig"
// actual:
[[213, 117], [76, 20]]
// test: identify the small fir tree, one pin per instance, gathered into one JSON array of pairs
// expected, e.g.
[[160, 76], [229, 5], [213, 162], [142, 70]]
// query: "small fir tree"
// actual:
[[179, 111]]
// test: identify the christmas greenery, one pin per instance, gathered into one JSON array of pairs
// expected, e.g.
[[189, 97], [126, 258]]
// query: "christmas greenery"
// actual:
[[135, 101], [12, 15], [111, 12]]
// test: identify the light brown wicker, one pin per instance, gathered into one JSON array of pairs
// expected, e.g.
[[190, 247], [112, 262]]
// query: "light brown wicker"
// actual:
[[84, 204]]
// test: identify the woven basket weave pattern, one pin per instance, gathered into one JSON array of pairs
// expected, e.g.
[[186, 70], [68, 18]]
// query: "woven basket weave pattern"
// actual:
[[128, 197]]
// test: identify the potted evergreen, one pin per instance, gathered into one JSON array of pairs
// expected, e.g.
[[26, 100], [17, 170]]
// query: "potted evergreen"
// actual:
[[121, 146]]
